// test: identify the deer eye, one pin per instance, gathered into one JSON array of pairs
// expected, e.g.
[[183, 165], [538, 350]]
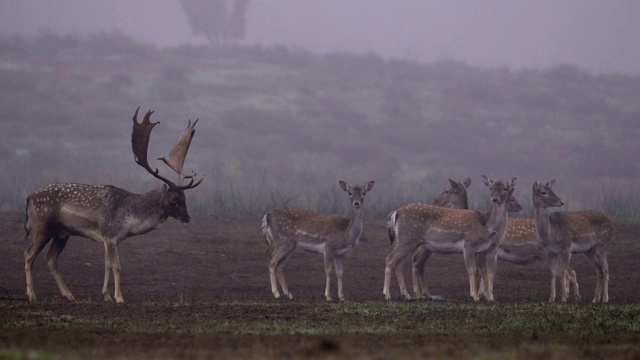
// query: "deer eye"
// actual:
[[544, 193]]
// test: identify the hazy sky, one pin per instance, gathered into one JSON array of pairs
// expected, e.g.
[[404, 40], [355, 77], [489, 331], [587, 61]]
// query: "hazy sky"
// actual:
[[597, 35]]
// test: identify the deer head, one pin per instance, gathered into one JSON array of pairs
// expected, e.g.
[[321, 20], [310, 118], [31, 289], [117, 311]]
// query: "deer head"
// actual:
[[543, 195], [356, 193], [501, 191]]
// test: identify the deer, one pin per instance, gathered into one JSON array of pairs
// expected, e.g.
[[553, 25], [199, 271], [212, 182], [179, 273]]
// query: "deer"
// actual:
[[105, 213], [563, 233], [520, 245], [333, 236], [444, 230]]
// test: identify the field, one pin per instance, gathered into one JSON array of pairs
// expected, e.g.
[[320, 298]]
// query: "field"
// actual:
[[201, 290]]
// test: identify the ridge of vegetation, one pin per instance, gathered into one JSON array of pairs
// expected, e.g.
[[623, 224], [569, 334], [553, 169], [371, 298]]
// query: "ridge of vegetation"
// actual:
[[281, 126]]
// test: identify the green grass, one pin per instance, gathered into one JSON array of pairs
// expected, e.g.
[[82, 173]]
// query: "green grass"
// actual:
[[266, 318], [392, 329]]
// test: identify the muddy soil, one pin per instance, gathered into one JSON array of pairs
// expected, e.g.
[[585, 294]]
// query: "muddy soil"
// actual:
[[216, 258]]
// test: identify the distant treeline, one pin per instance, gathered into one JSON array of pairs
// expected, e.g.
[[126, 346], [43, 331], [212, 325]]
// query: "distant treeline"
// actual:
[[280, 126]]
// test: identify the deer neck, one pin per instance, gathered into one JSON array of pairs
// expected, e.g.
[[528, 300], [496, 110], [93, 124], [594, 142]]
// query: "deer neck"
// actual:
[[144, 212], [543, 225], [354, 227], [464, 204], [498, 219]]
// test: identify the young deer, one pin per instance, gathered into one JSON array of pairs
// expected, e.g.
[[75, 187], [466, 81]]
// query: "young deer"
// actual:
[[331, 235], [105, 213], [520, 244], [562, 233], [442, 230]]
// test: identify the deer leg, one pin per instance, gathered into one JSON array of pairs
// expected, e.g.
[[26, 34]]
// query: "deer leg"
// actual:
[[283, 282], [489, 267], [472, 269], [401, 283], [391, 263], [40, 240], [418, 262], [112, 261], [481, 275], [564, 265], [552, 262], [328, 270], [572, 280], [55, 249], [599, 262], [338, 265], [278, 256], [107, 274]]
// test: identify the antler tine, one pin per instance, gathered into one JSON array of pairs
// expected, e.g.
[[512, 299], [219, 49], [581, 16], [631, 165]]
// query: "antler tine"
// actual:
[[178, 153], [191, 185], [140, 144]]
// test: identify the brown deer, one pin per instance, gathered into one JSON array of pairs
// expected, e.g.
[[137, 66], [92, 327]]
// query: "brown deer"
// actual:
[[105, 213], [562, 233], [520, 244], [454, 196], [443, 230], [331, 235]]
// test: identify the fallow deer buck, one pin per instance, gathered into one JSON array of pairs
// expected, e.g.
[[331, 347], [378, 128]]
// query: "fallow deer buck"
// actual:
[[520, 244], [562, 233], [442, 230], [105, 213], [333, 236]]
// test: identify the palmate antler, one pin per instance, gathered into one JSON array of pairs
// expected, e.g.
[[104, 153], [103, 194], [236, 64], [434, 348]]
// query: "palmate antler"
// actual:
[[178, 154], [140, 145]]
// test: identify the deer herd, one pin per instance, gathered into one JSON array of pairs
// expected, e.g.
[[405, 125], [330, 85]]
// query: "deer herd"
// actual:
[[109, 215]]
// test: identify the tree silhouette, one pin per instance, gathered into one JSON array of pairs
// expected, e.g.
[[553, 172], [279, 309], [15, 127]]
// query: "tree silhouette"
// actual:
[[219, 21]]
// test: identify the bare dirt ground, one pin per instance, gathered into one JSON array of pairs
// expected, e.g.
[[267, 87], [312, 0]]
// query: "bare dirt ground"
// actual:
[[223, 259]]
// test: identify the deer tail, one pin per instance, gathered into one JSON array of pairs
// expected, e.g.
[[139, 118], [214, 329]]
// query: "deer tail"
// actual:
[[266, 231], [391, 226], [27, 223]]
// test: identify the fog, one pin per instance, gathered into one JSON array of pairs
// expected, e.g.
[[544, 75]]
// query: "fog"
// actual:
[[406, 93], [599, 36]]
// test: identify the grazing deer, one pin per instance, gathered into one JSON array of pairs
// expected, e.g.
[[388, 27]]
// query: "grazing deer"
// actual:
[[443, 230], [105, 213], [520, 244], [562, 233], [331, 235]]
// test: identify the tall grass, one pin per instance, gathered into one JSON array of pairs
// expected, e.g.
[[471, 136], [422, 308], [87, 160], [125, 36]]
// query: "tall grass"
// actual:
[[624, 207], [257, 196]]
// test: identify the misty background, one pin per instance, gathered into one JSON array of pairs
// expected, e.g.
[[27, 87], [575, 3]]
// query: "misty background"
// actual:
[[293, 96]]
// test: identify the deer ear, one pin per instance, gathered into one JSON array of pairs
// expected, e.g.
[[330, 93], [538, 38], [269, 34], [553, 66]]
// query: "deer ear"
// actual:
[[536, 185], [512, 183], [344, 185], [370, 185], [511, 192], [467, 182], [454, 185], [165, 187], [551, 182], [487, 181]]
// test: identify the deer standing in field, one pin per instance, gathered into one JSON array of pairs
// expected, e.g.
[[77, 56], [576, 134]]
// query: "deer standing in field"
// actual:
[[520, 244], [331, 235], [562, 233], [443, 230], [105, 213]]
